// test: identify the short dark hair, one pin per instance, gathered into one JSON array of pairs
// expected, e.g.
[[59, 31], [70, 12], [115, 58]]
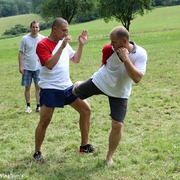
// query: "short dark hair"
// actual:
[[59, 22], [33, 22]]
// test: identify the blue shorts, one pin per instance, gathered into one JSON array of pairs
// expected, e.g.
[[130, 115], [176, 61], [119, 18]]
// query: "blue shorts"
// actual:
[[118, 106], [56, 98], [28, 76]]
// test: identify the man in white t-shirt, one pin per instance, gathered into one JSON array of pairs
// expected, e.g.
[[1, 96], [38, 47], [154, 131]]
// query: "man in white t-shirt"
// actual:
[[123, 63], [29, 63]]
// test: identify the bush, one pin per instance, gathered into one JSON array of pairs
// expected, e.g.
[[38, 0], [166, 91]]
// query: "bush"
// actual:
[[20, 29], [80, 18], [45, 25], [17, 30]]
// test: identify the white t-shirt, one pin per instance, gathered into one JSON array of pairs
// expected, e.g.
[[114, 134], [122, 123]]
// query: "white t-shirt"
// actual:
[[28, 45], [113, 79], [58, 77]]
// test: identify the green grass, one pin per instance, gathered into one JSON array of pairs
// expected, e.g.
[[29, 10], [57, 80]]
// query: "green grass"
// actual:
[[149, 149]]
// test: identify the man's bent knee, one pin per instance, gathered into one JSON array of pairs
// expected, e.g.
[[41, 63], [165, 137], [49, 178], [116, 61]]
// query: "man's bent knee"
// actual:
[[75, 85]]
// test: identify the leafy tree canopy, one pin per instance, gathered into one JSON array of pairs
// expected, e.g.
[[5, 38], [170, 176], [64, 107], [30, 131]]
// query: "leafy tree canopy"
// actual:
[[123, 10], [66, 9]]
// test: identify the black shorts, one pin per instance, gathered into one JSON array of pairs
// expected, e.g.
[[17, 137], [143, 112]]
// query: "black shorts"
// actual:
[[118, 106]]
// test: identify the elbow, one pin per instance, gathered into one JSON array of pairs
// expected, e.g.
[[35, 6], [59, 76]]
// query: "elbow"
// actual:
[[137, 79], [49, 67], [75, 60]]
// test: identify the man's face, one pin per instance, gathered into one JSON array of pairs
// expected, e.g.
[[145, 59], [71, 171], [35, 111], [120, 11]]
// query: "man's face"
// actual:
[[62, 31], [34, 28], [115, 41]]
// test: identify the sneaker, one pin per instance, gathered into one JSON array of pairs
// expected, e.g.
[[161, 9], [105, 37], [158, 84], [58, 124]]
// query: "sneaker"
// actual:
[[86, 149], [38, 109], [38, 157], [28, 109]]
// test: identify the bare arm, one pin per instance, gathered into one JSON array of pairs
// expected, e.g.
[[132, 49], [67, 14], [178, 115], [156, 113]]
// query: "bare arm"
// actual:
[[20, 57], [132, 71], [82, 40]]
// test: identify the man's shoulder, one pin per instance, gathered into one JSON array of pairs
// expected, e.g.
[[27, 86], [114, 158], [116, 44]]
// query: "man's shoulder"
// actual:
[[41, 36], [107, 52], [44, 41], [137, 47], [107, 47], [27, 36]]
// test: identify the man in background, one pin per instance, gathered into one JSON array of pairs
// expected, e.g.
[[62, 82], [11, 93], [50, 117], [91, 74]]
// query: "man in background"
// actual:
[[29, 64]]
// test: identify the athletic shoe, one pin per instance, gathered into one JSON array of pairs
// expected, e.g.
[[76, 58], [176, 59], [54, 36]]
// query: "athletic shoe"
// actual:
[[86, 149], [28, 109], [38, 157], [38, 109]]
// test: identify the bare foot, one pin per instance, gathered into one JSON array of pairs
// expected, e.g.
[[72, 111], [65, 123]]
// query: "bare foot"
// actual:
[[109, 161]]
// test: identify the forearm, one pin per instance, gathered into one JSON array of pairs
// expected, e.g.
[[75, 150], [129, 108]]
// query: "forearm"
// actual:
[[54, 59], [78, 54], [20, 57], [132, 71]]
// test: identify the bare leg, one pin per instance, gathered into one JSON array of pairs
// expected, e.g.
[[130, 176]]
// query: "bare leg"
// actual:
[[27, 94], [45, 118], [37, 88], [84, 110], [114, 139]]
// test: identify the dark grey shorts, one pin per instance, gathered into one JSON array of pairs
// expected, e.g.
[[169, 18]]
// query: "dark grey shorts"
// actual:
[[118, 106]]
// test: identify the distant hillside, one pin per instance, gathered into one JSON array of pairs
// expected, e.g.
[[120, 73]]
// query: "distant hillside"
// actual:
[[159, 19], [9, 22]]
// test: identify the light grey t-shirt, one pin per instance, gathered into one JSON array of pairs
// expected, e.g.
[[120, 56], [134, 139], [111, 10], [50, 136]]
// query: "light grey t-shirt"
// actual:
[[28, 45]]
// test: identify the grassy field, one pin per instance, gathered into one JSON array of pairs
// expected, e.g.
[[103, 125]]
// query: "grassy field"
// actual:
[[149, 149]]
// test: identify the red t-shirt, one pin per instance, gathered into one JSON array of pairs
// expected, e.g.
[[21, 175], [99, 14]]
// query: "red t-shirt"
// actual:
[[44, 50], [107, 52]]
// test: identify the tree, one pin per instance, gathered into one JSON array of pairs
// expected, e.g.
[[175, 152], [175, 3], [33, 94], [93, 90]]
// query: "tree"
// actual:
[[35, 5], [14, 7], [123, 10], [64, 8], [85, 15], [24, 6], [7, 8]]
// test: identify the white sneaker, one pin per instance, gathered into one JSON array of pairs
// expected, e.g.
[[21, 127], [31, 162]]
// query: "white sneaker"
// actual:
[[28, 109], [38, 109]]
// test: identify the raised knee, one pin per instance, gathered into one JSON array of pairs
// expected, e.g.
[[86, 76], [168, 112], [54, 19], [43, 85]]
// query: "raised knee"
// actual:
[[75, 85]]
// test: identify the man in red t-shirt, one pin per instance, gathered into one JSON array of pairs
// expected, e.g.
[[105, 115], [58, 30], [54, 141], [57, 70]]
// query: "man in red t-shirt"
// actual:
[[56, 87]]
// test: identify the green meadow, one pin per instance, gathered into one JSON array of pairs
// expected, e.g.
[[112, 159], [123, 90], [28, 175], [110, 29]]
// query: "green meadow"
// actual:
[[150, 146]]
